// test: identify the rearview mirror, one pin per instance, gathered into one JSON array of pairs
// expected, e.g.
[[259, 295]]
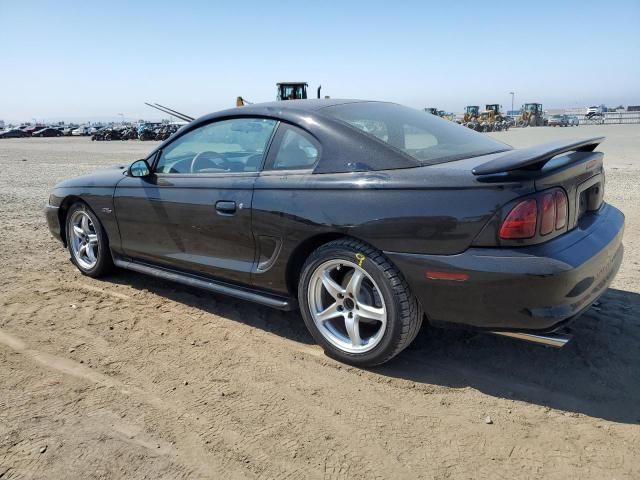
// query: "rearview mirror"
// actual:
[[139, 168]]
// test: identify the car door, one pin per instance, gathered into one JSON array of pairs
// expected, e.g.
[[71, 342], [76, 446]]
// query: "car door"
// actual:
[[280, 191], [193, 211]]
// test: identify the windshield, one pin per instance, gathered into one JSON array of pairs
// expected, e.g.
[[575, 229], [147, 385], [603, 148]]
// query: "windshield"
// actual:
[[427, 138]]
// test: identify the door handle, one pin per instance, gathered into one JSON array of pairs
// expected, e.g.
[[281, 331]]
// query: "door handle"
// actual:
[[224, 207]]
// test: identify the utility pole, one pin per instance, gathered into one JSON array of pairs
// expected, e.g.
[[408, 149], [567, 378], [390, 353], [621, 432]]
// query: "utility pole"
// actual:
[[512, 95]]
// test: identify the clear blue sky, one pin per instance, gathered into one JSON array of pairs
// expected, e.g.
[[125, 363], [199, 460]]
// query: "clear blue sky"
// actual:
[[96, 59]]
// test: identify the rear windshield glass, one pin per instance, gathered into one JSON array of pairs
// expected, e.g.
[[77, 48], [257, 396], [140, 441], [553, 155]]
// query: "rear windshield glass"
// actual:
[[427, 138]]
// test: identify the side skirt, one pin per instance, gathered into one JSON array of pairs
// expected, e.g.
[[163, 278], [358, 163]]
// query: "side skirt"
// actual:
[[281, 303]]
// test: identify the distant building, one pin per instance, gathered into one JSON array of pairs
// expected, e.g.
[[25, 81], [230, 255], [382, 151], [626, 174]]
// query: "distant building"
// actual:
[[633, 108]]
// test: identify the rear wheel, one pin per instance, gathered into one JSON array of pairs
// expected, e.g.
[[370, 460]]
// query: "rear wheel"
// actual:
[[356, 304], [87, 241]]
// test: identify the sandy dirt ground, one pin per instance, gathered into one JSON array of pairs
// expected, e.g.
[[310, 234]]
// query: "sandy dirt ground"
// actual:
[[132, 377]]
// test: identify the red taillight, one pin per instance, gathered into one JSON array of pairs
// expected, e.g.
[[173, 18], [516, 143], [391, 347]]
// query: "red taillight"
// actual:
[[548, 215], [561, 209], [456, 276], [521, 221]]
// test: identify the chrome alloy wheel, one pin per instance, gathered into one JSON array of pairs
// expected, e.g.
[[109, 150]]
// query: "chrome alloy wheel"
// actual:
[[347, 306], [83, 239]]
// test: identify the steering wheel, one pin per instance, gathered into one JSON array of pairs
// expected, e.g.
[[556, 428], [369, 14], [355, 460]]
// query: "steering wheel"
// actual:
[[217, 158]]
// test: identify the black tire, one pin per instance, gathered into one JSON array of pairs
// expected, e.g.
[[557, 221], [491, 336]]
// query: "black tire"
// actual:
[[404, 317], [104, 264]]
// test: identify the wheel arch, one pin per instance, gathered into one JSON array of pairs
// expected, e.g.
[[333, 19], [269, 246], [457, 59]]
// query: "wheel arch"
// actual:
[[300, 254], [63, 211]]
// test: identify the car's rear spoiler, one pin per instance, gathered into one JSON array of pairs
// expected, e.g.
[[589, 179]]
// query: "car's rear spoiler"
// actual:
[[534, 157]]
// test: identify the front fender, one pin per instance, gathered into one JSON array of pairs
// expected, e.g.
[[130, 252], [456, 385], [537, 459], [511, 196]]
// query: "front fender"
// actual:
[[99, 199]]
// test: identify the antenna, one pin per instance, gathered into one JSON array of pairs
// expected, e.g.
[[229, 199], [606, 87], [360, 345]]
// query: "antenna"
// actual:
[[175, 112], [168, 111]]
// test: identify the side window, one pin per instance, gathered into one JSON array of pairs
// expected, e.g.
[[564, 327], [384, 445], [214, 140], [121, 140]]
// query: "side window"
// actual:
[[376, 128], [235, 145], [296, 150], [417, 139]]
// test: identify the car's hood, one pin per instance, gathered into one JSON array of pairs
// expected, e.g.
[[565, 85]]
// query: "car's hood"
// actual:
[[107, 177]]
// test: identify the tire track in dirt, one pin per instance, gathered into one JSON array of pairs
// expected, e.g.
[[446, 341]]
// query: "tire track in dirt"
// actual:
[[238, 413], [68, 367]]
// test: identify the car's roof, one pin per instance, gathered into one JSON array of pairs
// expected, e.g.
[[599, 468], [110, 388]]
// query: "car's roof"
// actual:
[[308, 105], [283, 109]]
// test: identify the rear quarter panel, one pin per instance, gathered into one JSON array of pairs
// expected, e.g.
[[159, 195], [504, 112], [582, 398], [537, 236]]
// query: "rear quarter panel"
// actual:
[[426, 210]]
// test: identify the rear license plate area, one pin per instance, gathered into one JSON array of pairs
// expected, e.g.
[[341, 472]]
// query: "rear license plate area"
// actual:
[[590, 196]]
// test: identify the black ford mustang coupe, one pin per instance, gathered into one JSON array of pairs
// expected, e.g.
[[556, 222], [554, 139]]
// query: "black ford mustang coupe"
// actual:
[[369, 216]]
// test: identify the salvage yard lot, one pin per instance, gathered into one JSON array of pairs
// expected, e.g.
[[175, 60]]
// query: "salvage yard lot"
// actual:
[[134, 377]]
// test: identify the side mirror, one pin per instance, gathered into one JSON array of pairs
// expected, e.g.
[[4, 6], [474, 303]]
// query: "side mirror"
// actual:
[[139, 168]]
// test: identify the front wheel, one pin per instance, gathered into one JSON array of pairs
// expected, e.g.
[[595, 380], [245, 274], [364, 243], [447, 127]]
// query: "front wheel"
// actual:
[[356, 304], [87, 241]]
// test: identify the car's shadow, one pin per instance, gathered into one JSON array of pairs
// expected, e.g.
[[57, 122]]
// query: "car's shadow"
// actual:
[[596, 374], [285, 324]]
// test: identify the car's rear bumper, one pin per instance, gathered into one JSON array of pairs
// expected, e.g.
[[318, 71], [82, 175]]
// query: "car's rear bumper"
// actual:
[[537, 288], [53, 221]]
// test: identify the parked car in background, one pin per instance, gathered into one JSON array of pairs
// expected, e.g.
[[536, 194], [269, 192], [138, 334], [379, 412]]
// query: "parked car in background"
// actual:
[[13, 133], [368, 216], [29, 129], [47, 132], [558, 121], [595, 114], [573, 120], [80, 131]]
